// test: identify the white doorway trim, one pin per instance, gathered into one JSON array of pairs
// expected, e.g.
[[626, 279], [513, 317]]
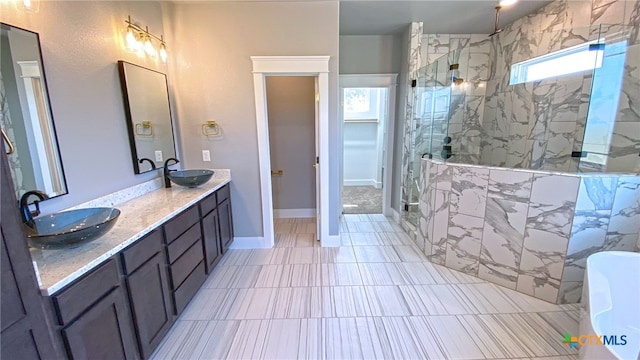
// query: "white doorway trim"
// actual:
[[317, 66], [389, 81]]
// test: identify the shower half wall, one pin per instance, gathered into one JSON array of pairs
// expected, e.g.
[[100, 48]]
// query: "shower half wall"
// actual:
[[527, 230]]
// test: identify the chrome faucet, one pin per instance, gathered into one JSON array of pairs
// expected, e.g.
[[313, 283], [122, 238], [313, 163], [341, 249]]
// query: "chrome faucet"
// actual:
[[167, 181], [153, 165], [26, 214]]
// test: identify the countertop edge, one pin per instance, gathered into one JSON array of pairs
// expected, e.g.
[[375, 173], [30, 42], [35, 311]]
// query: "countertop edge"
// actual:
[[51, 290]]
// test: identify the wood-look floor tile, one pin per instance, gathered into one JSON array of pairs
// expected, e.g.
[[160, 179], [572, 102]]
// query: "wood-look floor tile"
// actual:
[[419, 273], [376, 254], [282, 339], [346, 274], [387, 301], [345, 301], [403, 341], [382, 274], [249, 339], [408, 253], [209, 304], [426, 338], [375, 297], [453, 338], [358, 239], [487, 298], [342, 254]]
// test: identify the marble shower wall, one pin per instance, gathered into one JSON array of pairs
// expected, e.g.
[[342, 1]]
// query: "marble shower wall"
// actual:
[[530, 231], [607, 218], [458, 110], [537, 125]]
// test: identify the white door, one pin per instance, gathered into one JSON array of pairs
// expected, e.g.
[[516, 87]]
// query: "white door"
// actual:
[[315, 162]]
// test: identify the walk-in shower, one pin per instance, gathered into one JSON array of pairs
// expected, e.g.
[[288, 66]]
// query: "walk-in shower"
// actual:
[[531, 163]]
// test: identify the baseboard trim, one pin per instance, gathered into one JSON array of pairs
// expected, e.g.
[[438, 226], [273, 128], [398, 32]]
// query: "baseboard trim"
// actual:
[[395, 215], [331, 241], [294, 213], [250, 243], [361, 182]]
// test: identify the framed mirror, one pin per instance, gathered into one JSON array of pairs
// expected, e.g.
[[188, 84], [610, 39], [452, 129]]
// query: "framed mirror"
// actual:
[[26, 118], [148, 113]]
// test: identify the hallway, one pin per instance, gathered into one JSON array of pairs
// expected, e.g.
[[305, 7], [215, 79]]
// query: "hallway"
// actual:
[[374, 297]]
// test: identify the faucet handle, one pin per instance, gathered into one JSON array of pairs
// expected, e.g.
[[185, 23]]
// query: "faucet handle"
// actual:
[[36, 212]]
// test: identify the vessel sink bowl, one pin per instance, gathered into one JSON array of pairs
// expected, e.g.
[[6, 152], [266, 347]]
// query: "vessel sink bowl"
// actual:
[[190, 178], [70, 228]]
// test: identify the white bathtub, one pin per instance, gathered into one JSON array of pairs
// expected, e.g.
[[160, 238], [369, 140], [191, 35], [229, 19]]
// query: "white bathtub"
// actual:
[[611, 304]]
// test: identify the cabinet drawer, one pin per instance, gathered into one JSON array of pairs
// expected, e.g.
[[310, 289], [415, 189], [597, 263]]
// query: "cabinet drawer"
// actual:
[[72, 301], [223, 193], [186, 263], [207, 204], [184, 293], [183, 242], [144, 249], [181, 223]]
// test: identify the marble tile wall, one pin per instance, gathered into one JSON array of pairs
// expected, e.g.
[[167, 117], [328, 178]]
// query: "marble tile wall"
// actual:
[[530, 231], [537, 125], [607, 217]]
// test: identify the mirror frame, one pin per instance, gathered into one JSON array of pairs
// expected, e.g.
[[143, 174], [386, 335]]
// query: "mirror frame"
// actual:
[[129, 117], [45, 85]]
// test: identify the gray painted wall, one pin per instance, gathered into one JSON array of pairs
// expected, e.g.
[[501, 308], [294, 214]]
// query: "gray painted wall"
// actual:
[[291, 112], [81, 43], [370, 54], [215, 82]]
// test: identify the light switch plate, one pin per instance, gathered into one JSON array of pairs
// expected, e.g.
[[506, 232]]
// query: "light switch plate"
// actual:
[[206, 155], [159, 155]]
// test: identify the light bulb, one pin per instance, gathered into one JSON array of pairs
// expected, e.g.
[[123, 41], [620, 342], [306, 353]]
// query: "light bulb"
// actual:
[[507, 2], [163, 52], [32, 6], [132, 39], [148, 46]]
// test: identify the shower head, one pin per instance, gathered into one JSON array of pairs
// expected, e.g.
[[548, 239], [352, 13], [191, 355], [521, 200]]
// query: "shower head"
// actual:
[[496, 27]]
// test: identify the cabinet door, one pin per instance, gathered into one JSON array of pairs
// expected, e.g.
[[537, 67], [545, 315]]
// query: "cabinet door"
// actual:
[[150, 300], [25, 320], [226, 224], [211, 237], [102, 332]]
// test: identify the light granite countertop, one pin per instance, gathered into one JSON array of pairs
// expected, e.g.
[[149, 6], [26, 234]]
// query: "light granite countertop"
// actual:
[[139, 216]]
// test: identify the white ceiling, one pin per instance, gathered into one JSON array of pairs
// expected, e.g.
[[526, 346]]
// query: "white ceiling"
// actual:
[[373, 17]]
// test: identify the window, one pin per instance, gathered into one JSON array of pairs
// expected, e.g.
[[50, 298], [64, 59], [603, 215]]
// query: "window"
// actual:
[[356, 100], [587, 56]]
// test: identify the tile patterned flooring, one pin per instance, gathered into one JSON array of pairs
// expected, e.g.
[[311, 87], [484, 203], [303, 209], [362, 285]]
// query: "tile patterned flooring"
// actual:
[[376, 297]]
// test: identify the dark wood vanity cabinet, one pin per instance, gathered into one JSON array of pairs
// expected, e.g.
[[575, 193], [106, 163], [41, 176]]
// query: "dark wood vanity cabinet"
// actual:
[[226, 219], [122, 308], [185, 255], [147, 284], [217, 225], [210, 231], [94, 316]]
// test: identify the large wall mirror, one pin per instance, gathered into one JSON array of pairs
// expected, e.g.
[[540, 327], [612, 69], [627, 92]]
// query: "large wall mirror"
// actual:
[[25, 115], [146, 100]]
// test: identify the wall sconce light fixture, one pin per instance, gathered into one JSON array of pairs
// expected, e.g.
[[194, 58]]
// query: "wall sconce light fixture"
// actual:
[[141, 41]]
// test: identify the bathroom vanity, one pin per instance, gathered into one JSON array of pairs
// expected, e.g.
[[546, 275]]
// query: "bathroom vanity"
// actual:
[[117, 297]]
